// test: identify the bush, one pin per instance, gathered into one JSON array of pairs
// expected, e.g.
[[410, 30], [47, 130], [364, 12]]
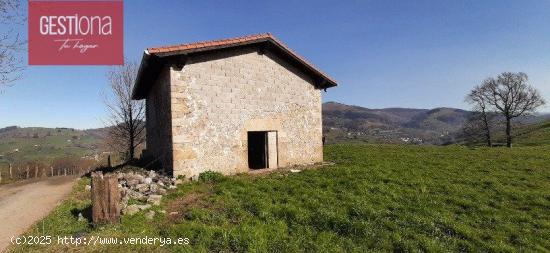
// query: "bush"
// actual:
[[211, 177]]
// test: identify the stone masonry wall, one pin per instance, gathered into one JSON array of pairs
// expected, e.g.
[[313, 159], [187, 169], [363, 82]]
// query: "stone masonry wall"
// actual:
[[158, 121], [216, 99]]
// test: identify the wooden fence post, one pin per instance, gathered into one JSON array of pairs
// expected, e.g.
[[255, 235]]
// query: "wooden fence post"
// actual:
[[105, 198], [35, 171], [65, 171], [51, 169], [27, 172], [11, 176]]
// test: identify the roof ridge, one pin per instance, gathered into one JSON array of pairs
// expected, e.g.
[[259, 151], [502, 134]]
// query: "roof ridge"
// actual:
[[249, 36]]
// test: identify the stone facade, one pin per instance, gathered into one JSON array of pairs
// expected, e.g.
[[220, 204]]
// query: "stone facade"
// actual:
[[211, 103]]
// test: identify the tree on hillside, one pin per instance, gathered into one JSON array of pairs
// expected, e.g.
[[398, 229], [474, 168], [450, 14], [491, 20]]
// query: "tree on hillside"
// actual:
[[482, 119], [11, 44], [126, 123], [476, 130], [511, 95]]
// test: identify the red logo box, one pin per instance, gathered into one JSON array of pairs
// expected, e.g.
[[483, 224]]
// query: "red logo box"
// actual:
[[75, 32]]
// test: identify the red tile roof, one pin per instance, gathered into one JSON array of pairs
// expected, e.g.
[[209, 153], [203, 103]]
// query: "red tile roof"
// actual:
[[210, 43], [204, 46]]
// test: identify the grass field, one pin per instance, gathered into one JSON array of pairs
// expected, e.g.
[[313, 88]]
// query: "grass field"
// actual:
[[45, 144], [374, 198]]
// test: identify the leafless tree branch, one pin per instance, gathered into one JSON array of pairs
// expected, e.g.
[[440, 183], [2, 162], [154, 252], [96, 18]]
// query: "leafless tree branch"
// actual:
[[127, 116], [482, 119], [11, 44]]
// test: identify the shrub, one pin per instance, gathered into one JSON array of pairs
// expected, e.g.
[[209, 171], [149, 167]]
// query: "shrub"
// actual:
[[211, 177]]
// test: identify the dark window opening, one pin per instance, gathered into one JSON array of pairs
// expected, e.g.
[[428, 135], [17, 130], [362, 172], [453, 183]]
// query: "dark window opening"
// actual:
[[257, 150]]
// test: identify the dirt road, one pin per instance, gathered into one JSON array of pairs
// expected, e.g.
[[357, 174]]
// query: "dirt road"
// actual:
[[24, 203]]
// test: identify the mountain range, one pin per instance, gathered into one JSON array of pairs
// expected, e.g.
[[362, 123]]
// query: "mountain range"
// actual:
[[439, 126]]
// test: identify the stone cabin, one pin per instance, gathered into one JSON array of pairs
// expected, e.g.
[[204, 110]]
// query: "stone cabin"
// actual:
[[231, 106]]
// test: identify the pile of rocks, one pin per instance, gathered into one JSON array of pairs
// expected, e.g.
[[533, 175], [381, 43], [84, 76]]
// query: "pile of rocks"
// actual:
[[144, 186]]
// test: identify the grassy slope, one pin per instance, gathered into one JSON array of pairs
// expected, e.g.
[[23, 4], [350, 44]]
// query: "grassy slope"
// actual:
[[534, 135], [376, 197], [49, 144]]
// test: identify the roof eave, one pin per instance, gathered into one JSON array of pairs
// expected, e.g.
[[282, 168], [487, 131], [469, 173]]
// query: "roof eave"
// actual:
[[139, 90]]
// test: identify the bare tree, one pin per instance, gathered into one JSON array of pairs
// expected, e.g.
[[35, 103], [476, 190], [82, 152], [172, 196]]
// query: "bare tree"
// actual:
[[482, 118], [127, 117], [511, 96], [11, 45], [474, 129]]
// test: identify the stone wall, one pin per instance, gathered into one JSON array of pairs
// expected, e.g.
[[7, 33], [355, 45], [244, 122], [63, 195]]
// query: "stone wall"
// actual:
[[217, 98], [158, 121]]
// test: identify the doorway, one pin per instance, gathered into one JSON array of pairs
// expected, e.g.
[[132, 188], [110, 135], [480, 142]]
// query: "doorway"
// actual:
[[262, 149]]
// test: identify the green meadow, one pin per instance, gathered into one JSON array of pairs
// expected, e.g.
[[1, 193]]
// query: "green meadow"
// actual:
[[373, 198]]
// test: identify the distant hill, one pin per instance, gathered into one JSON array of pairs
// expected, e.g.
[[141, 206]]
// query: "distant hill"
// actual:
[[46, 144], [343, 122], [439, 126]]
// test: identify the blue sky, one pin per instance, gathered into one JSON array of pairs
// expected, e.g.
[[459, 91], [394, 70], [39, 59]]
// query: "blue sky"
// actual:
[[420, 54]]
